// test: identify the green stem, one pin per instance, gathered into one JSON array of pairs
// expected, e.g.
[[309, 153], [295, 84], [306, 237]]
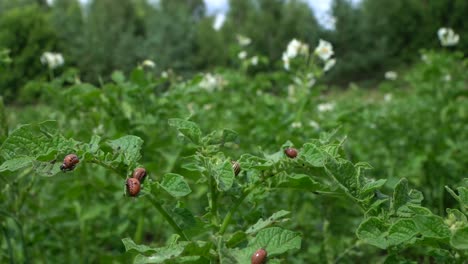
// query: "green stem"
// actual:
[[213, 195], [100, 163], [167, 217], [51, 74], [227, 218], [355, 245], [139, 231], [214, 201], [10, 247], [303, 103]]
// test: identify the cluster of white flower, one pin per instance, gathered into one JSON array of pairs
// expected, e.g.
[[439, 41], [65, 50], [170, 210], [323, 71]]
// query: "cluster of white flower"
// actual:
[[391, 75], [447, 37], [324, 51], [325, 107], [210, 82], [243, 40], [296, 125], [242, 55], [294, 48], [52, 60]]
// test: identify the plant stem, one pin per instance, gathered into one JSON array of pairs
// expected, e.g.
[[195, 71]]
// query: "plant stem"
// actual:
[[167, 217], [355, 245], [98, 162], [214, 201], [303, 102], [227, 218]]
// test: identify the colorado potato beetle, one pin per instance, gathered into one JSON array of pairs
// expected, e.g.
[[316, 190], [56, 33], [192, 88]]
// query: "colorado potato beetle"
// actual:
[[291, 152], [259, 257], [139, 174], [133, 186], [236, 167], [69, 162]]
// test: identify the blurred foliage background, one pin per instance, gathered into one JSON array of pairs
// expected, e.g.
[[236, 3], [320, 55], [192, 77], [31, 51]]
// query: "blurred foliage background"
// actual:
[[370, 37], [414, 126]]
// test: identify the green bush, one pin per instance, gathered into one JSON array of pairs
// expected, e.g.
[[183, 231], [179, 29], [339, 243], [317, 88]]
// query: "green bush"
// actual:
[[27, 33]]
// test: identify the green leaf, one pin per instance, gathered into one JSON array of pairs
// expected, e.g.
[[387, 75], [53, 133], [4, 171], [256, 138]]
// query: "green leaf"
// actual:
[[300, 182], [181, 252], [459, 239], [236, 239], [223, 137], [345, 174], [191, 225], [16, 163], [129, 245], [31, 140], [403, 198], [224, 175], [372, 186], [277, 240], [175, 185], [400, 194], [3, 121], [401, 231], [463, 194], [432, 226], [187, 128], [127, 149], [162, 254], [269, 221], [35, 145], [249, 161], [274, 240], [118, 77], [373, 231], [314, 155]]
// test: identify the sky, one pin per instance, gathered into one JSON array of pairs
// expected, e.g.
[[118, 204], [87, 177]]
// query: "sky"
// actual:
[[320, 7]]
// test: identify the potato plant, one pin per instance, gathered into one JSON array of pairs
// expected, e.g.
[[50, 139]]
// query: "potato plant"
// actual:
[[237, 165], [216, 228]]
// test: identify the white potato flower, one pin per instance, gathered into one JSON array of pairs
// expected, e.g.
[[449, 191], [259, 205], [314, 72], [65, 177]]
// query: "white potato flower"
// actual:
[[219, 21], [314, 124], [447, 37], [296, 125], [211, 82], [254, 60], [295, 47], [388, 97], [148, 63], [310, 80], [447, 78], [242, 55], [286, 63], [325, 107], [329, 64], [391, 75], [324, 50], [243, 40], [52, 60]]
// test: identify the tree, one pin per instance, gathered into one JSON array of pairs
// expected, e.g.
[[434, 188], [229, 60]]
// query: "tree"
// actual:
[[27, 33]]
